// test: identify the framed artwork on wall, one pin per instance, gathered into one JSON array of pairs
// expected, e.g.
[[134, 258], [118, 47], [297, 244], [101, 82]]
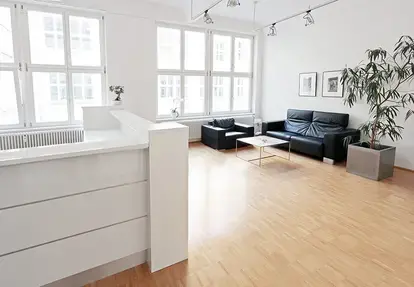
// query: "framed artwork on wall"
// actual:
[[332, 87], [307, 84]]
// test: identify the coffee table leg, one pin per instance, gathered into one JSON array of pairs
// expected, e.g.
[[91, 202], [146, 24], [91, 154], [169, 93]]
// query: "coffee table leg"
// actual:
[[260, 159], [289, 149]]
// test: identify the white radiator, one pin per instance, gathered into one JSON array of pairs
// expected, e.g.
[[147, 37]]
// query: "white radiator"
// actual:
[[40, 138]]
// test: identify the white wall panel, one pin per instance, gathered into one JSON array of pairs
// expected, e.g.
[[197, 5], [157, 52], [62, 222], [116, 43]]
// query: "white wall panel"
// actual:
[[48, 263], [51, 179], [168, 195], [43, 222]]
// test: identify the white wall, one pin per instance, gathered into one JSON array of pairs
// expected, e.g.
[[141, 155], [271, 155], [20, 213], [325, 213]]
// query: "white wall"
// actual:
[[340, 37]]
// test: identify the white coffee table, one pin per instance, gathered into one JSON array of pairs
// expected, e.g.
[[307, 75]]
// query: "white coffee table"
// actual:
[[262, 142]]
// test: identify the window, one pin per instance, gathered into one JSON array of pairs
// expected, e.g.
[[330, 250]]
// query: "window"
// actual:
[[10, 112], [222, 52], [202, 72], [59, 62], [232, 74]]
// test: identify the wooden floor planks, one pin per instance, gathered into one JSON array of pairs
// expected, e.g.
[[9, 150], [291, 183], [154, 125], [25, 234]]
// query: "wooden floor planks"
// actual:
[[289, 223]]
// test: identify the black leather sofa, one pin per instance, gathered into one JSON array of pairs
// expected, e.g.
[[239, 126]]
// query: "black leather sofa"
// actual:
[[318, 134], [223, 133]]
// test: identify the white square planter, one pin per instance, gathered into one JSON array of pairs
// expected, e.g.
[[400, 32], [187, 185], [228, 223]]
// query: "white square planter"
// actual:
[[371, 163]]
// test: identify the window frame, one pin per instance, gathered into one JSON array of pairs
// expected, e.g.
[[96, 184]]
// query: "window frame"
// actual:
[[182, 72], [14, 67], [25, 67], [208, 72], [232, 74]]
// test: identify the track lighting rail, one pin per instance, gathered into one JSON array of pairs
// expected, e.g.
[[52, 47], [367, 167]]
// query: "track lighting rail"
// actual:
[[298, 14]]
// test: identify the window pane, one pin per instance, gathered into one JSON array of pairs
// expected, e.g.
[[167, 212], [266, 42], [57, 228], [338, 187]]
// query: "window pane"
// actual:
[[169, 94], [86, 92], [8, 106], [221, 94], [221, 53], [241, 94], [195, 47], [49, 106], [6, 39], [194, 95], [242, 55], [46, 38], [168, 48], [85, 41]]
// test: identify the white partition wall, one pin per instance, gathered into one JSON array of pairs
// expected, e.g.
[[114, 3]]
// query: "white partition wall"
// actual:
[[168, 175]]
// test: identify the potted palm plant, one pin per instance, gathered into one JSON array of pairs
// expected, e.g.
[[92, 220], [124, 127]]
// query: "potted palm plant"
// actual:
[[380, 82]]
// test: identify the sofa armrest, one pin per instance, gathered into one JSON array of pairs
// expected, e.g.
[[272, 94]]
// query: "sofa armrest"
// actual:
[[334, 146], [273, 126], [213, 132], [249, 130]]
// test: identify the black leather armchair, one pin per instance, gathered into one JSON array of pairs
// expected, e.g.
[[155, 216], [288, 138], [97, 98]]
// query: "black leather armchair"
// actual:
[[318, 134], [222, 134]]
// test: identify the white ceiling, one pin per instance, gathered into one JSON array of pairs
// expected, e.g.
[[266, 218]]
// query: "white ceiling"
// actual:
[[267, 11]]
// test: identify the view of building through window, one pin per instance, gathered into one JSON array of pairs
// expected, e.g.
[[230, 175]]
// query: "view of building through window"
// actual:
[[221, 85], [59, 83], [8, 97]]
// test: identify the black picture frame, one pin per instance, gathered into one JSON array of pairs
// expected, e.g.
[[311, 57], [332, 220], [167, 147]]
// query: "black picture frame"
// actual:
[[315, 74]]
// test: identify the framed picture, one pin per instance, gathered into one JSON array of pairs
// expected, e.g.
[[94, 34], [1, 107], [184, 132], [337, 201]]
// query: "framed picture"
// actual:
[[332, 87], [307, 84]]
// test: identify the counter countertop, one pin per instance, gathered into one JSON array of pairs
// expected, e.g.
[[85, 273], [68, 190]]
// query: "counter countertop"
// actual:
[[96, 142]]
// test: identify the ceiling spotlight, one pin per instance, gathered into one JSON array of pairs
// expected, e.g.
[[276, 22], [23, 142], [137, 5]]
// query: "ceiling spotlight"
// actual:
[[233, 3], [207, 18], [308, 18], [272, 30]]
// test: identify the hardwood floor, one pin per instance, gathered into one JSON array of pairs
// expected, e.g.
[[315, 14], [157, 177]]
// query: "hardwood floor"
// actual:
[[297, 223]]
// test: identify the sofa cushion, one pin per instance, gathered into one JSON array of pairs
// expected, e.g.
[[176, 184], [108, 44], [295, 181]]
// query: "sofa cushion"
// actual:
[[235, 135], [282, 135], [327, 123], [298, 121], [333, 119], [224, 123], [308, 145]]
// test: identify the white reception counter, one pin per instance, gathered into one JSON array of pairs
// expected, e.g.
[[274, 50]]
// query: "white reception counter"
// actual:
[[75, 213]]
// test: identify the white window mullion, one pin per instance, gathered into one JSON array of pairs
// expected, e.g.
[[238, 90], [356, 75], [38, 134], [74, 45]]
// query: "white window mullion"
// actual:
[[182, 65], [19, 72], [233, 53], [68, 61], [210, 76], [207, 89], [26, 77], [105, 99]]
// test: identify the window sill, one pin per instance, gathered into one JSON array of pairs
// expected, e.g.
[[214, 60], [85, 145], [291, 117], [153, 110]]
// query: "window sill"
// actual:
[[200, 118]]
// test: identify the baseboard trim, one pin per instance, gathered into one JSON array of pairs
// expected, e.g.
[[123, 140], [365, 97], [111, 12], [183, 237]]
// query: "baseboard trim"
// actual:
[[100, 272], [194, 140], [403, 168]]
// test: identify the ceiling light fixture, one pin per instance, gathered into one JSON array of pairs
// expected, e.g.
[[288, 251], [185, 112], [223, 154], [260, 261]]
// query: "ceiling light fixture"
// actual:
[[272, 30], [308, 18], [207, 18], [233, 3]]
